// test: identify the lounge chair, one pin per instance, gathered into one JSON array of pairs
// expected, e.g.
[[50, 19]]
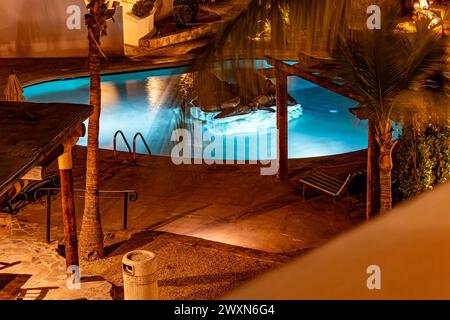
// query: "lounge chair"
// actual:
[[332, 185], [351, 189], [27, 194]]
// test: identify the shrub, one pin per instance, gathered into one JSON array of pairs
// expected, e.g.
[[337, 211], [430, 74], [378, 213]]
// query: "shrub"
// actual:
[[423, 160], [143, 8]]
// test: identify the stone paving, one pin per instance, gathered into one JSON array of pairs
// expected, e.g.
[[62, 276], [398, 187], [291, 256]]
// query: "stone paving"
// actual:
[[188, 268], [33, 270]]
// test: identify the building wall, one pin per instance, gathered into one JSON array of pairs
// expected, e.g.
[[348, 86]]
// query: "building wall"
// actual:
[[37, 28], [165, 7]]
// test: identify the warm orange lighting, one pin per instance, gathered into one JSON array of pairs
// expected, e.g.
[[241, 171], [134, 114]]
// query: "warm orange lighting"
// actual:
[[422, 4]]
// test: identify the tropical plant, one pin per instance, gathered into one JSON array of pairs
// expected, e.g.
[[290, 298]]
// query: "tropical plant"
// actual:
[[423, 159], [91, 236], [380, 64]]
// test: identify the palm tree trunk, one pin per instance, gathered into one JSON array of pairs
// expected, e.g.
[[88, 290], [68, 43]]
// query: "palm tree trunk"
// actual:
[[373, 174], [386, 143], [91, 236], [385, 190]]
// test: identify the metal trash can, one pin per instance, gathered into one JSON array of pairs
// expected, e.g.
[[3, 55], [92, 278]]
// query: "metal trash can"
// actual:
[[139, 275]]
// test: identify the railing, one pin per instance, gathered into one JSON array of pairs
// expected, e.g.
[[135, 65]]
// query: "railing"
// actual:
[[145, 144], [128, 196], [115, 143], [137, 135]]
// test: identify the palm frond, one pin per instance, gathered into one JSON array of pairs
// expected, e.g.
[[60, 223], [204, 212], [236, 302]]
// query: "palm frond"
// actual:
[[381, 63]]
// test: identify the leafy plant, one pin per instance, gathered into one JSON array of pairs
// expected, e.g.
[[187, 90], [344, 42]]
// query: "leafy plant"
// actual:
[[143, 8], [423, 160]]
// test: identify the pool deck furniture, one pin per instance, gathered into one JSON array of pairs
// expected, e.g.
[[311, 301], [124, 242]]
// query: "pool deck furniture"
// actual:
[[336, 186], [339, 188], [27, 194]]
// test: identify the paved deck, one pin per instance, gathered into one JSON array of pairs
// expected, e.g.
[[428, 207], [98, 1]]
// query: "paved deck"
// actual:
[[188, 268], [32, 270], [212, 227], [231, 204]]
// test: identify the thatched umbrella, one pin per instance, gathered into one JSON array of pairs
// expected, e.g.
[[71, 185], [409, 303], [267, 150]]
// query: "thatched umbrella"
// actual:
[[13, 90]]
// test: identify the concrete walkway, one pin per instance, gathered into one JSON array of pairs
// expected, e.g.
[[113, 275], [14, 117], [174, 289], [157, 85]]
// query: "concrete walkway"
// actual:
[[187, 268], [230, 204]]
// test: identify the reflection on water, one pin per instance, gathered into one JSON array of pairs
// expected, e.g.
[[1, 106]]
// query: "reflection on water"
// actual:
[[144, 102]]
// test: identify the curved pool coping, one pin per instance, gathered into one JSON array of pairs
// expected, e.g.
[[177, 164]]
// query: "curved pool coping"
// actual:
[[106, 72], [131, 69]]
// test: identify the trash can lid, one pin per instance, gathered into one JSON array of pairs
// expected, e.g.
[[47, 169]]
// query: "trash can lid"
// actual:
[[138, 256], [141, 260]]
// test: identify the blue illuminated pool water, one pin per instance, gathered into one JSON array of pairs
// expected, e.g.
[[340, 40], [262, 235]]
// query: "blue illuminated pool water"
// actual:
[[141, 102]]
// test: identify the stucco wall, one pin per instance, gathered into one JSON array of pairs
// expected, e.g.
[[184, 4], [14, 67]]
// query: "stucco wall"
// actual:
[[165, 7], [37, 28]]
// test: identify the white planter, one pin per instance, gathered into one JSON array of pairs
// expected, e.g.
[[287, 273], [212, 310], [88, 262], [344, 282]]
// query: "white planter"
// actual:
[[136, 28]]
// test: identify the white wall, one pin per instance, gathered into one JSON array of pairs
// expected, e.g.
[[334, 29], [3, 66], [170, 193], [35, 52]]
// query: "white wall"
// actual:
[[37, 28], [165, 7]]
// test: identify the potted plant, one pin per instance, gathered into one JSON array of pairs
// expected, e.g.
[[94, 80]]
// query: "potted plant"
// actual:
[[140, 21]]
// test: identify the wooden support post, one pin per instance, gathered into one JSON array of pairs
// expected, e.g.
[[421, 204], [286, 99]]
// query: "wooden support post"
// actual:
[[282, 123], [373, 178], [68, 205]]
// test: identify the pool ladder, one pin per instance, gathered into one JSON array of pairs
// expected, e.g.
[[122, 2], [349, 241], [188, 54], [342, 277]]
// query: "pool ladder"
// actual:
[[137, 135]]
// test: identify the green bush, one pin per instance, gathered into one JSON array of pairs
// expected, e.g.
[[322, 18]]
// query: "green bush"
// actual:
[[143, 8], [423, 160]]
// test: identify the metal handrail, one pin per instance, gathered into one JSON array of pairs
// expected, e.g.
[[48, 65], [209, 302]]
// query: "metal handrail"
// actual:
[[115, 142], [128, 196], [143, 140]]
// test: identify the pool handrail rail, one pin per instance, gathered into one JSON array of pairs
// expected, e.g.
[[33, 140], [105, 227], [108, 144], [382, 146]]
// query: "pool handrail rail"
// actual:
[[145, 144], [115, 142]]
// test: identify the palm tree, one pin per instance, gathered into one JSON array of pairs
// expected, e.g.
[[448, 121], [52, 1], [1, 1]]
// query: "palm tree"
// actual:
[[377, 63], [380, 64], [91, 236]]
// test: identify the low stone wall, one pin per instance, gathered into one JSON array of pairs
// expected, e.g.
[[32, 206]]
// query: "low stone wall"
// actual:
[[180, 37]]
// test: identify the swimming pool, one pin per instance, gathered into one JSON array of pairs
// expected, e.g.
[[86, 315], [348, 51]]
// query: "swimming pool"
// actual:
[[141, 102]]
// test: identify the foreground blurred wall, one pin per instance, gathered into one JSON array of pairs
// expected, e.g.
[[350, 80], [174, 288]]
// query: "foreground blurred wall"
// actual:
[[38, 28], [407, 250]]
